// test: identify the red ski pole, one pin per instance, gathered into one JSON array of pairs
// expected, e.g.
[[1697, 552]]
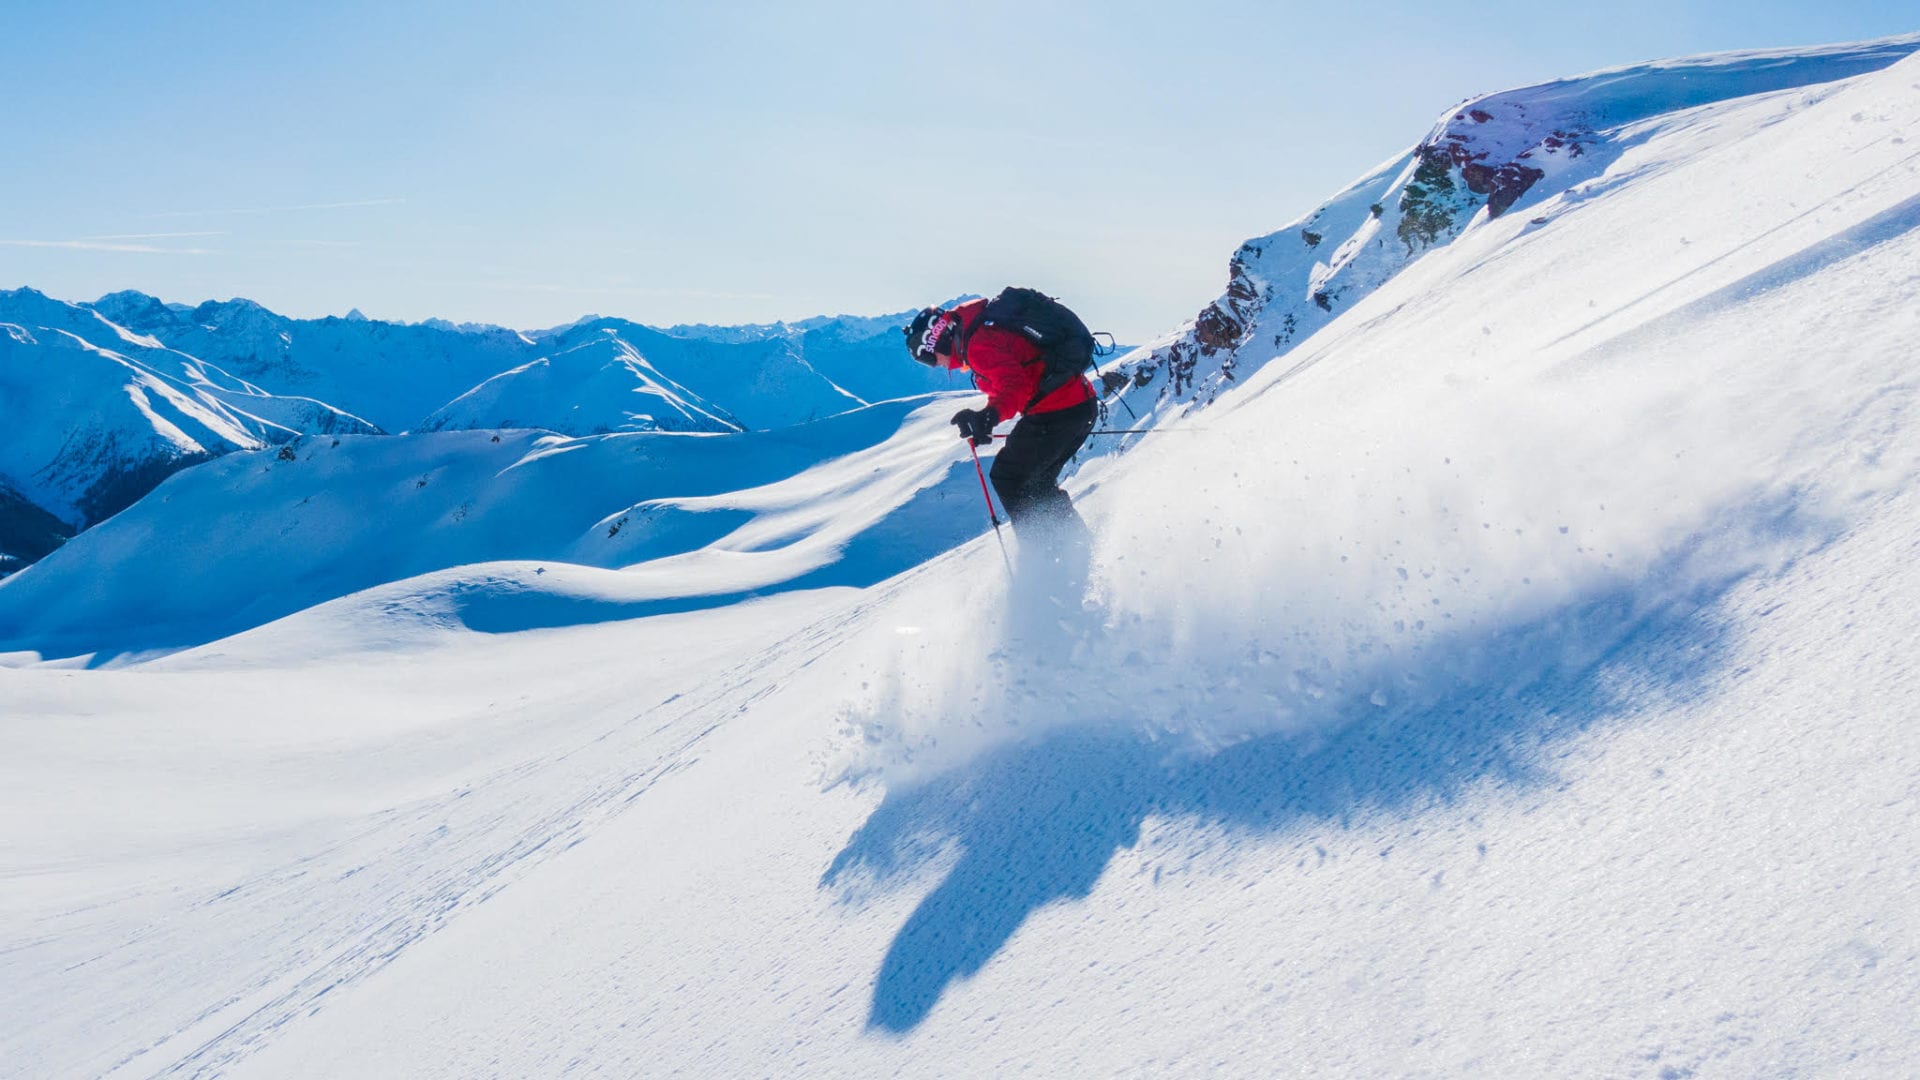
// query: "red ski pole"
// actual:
[[991, 515]]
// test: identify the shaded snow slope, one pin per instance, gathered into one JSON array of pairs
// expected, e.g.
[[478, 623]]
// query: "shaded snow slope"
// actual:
[[89, 430], [1515, 680], [27, 532]]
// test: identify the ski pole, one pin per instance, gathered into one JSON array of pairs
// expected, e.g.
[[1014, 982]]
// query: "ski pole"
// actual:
[[1131, 431], [991, 515]]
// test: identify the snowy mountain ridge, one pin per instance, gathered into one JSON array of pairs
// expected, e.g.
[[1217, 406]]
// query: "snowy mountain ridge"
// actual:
[[600, 385], [92, 427], [395, 374], [1503, 152]]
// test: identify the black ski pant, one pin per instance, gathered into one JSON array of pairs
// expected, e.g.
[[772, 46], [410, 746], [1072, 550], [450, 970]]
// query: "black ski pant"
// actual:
[[1026, 472]]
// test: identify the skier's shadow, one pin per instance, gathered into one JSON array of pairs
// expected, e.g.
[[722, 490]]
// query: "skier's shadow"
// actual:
[[1029, 836], [1037, 822]]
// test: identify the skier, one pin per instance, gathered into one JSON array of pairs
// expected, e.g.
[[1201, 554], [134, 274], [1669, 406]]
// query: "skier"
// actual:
[[1054, 401]]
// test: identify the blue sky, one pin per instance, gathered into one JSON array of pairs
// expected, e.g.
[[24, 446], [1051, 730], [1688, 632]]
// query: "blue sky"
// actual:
[[744, 162]]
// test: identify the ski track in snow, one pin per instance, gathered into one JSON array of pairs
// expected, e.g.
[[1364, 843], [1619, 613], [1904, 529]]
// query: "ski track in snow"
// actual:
[[410, 870]]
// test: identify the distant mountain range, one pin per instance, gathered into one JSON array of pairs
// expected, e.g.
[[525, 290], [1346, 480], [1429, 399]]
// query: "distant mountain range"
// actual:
[[103, 400]]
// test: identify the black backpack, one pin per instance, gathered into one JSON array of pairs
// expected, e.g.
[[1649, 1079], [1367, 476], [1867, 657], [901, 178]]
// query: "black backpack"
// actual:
[[1066, 345]]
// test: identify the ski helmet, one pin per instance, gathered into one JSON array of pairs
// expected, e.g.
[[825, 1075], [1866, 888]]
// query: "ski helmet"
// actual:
[[931, 331]]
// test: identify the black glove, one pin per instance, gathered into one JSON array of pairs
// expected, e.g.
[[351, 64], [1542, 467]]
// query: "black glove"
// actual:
[[976, 425]]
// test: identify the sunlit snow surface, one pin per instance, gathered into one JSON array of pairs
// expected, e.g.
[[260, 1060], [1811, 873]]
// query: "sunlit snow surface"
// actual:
[[1514, 679]]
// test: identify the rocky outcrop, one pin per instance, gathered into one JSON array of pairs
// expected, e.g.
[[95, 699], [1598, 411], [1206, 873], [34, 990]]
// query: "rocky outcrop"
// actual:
[[27, 532], [1456, 175], [1217, 331]]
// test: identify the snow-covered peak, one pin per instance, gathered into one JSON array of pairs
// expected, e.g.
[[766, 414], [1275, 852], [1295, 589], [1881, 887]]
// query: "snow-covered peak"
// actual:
[[850, 327], [761, 382], [30, 308], [462, 328], [555, 331], [598, 386], [97, 412], [398, 374], [130, 307], [236, 312]]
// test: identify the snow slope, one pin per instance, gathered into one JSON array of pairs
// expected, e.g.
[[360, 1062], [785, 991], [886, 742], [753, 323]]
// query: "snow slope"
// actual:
[[1514, 680]]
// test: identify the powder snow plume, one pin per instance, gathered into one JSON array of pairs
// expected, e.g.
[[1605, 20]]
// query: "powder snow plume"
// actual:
[[1495, 483]]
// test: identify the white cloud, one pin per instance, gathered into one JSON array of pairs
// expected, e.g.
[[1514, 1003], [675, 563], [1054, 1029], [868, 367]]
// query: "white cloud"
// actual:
[[152, 236], [105, 244]]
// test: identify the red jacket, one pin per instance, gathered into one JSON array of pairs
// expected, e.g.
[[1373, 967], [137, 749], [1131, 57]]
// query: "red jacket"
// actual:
[[1007, 367]]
